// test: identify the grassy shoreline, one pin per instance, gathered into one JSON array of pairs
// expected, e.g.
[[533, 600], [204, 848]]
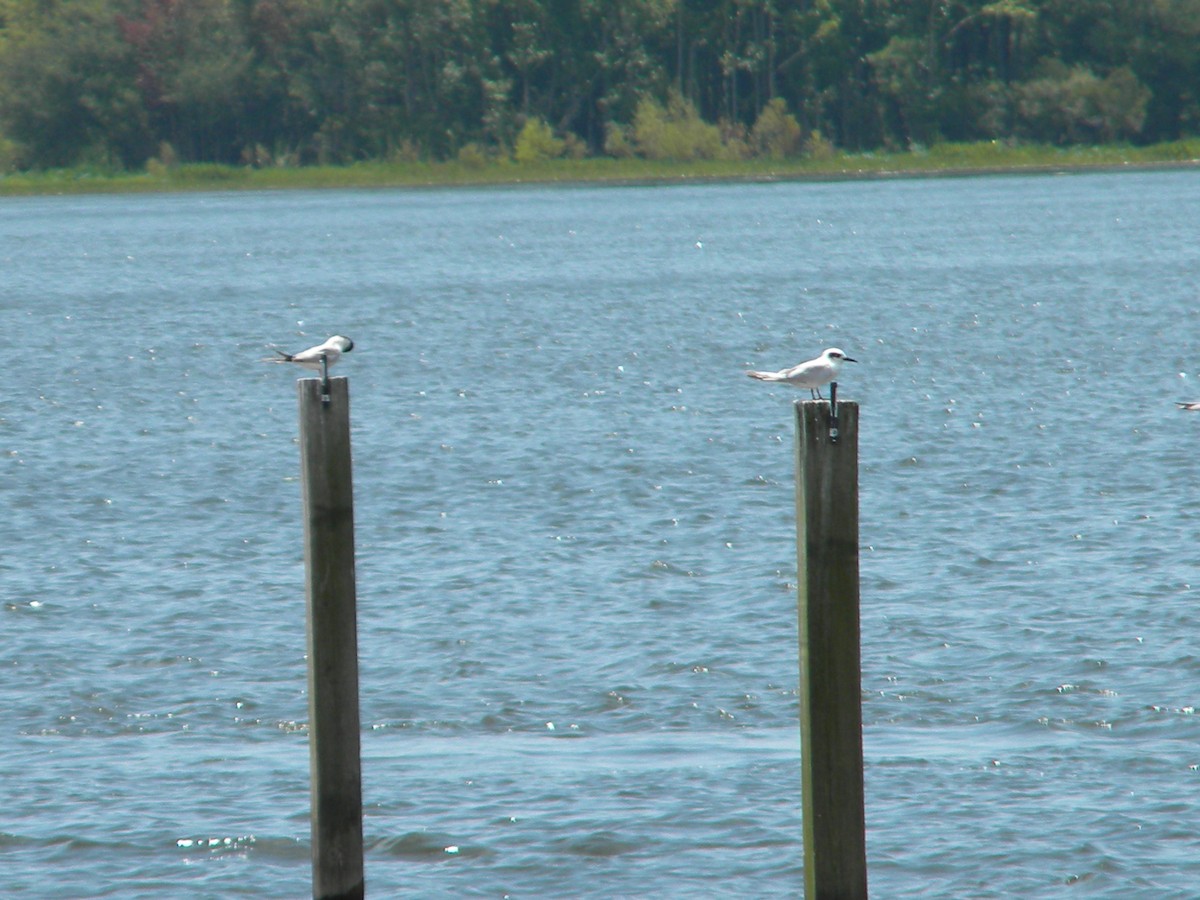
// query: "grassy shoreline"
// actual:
[[940, 160]]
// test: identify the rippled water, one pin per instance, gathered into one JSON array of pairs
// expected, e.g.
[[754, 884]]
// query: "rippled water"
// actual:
[[575, 535]]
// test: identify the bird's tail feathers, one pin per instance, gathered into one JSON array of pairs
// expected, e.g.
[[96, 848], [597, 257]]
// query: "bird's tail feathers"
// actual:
[[764, 376], [282, 357]]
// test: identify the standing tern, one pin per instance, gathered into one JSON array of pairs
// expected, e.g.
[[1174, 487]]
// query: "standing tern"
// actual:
[[811, 374], [332, 350]]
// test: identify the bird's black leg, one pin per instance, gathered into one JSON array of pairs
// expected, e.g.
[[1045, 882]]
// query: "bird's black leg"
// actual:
[[324, 378]]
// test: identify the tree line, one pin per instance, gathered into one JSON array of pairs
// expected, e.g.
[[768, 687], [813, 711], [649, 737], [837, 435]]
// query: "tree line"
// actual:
[[124, 82]]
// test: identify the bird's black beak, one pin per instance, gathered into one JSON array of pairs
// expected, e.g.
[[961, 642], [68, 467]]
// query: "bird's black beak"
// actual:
[[848, 359]]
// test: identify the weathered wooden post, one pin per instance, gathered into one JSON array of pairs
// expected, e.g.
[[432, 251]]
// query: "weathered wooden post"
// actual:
[[835, 857], [333, 720]]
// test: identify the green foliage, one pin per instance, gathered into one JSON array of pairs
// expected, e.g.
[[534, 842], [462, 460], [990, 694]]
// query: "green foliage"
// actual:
[[616, 141], [195, 71], [1073, 105], [901, 71], [472, 156], [819, 148], [537, 142], [1182, 151], [674, 131], [8, 155], [161, 165], [205, 174], [944, 157], [287, 82], [67, 94], [776, 133], [574, 146]]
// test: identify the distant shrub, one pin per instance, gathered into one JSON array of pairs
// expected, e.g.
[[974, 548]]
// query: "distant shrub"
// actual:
[[674, 131], [1075, 106], [406, 151], [819, 147], [776, 133], [988, 109], [616, 141], [735, 144], [160, 166], [8, 155], [256, 157], [472, 155], [574, 146], [537, 142]]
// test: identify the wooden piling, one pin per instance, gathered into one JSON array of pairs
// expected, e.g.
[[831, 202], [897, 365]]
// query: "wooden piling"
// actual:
[[835, 859], [333, 726]]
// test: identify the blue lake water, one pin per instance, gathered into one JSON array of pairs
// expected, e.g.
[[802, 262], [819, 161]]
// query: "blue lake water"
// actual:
[[575, 534]]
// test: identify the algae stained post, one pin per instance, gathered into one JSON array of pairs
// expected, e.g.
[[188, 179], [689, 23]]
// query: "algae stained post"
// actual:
[[333, 727], [835, 864]]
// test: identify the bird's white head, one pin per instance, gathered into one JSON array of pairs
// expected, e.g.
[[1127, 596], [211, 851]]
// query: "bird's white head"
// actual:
[[837, 357], [342, 343]]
